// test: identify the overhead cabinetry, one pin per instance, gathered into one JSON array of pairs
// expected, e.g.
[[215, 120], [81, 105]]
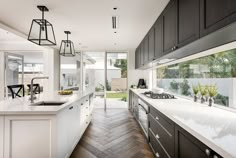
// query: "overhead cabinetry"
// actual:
[[185, 24]]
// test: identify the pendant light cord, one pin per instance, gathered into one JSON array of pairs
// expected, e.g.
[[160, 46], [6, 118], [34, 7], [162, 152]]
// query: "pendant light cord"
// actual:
[[42, 13]]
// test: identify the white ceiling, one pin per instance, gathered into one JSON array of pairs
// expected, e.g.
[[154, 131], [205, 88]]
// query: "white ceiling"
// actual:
[[88, 20], [10, 42]]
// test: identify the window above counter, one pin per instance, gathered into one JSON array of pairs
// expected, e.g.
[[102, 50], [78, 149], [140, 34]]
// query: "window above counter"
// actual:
[[216, 70]]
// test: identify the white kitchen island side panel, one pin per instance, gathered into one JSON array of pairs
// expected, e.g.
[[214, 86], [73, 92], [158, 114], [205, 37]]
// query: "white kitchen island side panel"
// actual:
[[29, 137], [1, 135]]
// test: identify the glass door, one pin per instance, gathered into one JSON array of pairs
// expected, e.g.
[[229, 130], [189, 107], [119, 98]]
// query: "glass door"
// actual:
[[116, 80], [14, 71], [93, 76]]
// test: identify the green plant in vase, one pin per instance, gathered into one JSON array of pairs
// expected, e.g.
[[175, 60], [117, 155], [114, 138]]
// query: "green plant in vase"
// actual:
[[203, 91], [195, 92], [212, 91]]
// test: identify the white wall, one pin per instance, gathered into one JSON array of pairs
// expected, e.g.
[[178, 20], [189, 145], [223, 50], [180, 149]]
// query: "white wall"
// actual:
[[52, 70], [133, 74]]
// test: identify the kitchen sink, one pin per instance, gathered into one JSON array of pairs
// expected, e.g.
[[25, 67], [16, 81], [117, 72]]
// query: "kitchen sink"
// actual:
[[48, 103]]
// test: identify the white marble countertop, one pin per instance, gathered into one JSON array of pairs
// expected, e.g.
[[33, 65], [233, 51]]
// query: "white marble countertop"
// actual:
[[213, 126], [20, 106]]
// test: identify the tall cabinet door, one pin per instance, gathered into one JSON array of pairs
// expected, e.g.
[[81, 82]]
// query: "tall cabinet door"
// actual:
[[141, 54], [216, 14], [158, 26], [151, 45], [146, 50], [137, 58], [188, 21], [169, 27]]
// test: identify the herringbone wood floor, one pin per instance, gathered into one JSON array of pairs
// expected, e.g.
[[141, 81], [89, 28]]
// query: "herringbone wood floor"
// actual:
[[112, 134]]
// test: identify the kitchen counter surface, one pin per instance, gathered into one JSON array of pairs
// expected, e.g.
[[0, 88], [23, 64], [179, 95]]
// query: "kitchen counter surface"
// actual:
[[213, 126], [22, 105]]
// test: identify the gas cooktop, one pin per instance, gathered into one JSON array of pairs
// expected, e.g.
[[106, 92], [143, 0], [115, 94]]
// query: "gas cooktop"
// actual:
[[153, 95]]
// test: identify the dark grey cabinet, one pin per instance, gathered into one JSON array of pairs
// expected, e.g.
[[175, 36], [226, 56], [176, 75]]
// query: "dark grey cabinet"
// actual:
[[137, 57], [151, 45], [167, 139], [146, 49], [158, 27], [186, 146], [170, 27], [216, 14], [188, 21], [142, 54], [183, 22]]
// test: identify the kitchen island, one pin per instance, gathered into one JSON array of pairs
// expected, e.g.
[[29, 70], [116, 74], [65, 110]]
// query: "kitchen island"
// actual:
[[35, 131]]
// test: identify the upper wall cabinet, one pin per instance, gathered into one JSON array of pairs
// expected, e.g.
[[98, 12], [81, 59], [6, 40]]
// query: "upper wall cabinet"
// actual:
[[216, 14], [141, 62], [137, 56], [170, 27], [188, 21], [151, 44], [158, 27], [146, 49]]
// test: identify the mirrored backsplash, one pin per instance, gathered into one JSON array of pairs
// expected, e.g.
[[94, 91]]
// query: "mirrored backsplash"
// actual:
[[215, 74]]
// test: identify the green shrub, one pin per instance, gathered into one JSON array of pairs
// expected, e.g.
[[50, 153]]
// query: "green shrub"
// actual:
[[174, 85], [221, 100], [184, 88], [124, 99]]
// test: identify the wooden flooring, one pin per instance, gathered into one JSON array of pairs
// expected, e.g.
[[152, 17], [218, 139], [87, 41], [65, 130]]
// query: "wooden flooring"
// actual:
[[112, 134]]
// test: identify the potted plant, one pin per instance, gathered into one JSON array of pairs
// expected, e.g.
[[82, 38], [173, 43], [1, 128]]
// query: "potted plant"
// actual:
[[195, 92], [212, 91], [203, 91]]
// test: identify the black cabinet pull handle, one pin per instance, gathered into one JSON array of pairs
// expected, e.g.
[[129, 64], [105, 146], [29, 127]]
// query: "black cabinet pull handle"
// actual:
[[71, 107]]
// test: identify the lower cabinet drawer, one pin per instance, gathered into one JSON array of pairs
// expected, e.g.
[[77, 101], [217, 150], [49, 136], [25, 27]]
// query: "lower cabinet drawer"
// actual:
[[157, 147], [165, 138], [166, 123]]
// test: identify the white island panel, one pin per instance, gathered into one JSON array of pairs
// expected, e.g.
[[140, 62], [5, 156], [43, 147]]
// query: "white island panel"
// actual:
[[1, 135], [28, 136]]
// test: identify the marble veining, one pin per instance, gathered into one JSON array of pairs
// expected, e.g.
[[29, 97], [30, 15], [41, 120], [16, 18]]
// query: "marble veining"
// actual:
[[213, 126]]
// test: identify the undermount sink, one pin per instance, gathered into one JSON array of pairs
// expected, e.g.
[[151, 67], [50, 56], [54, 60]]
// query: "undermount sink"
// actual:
[[48, 103]]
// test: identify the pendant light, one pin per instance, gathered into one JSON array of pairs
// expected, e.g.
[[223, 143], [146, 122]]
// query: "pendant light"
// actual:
[[41, 31], [67, 47]]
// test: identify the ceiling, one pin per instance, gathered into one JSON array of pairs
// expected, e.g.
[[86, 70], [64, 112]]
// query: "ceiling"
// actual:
[[10, 42], [90, 21]]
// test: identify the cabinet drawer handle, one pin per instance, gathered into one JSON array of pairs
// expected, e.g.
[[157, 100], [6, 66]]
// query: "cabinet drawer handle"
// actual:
[[157, 118], [71, 107], [157, 154], [208, 153], [157, 136]]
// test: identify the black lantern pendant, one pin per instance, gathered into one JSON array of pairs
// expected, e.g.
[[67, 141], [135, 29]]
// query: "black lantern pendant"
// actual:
[[67, 47], [41, 31]]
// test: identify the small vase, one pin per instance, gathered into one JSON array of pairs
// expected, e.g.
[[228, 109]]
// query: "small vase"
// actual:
[[202, 99], [195, 98], [210, 101]]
